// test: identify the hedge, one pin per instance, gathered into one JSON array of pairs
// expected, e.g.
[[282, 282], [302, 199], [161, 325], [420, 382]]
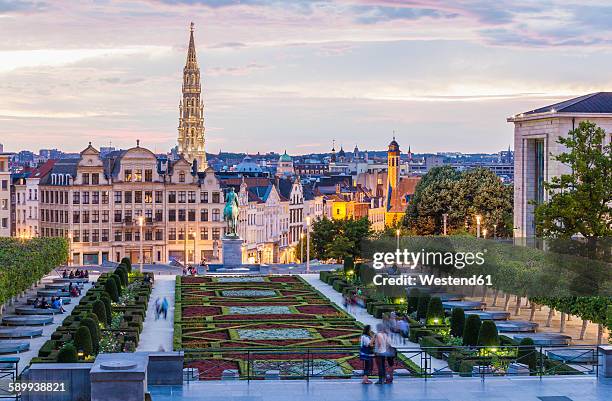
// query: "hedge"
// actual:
[[471, 330], [487, 335], [422, 306], [435, 312], [457, 321], [83, 341], [527, 354], [67, 354]]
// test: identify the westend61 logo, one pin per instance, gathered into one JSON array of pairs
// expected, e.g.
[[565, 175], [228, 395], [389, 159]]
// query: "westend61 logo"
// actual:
[[428, 258]]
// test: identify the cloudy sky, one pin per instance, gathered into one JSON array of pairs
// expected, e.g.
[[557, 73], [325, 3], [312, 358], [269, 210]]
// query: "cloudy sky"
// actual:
[[283, 74]]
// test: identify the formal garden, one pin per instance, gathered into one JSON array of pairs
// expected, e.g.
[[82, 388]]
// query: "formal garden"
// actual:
[[109, 318], [251, 325]]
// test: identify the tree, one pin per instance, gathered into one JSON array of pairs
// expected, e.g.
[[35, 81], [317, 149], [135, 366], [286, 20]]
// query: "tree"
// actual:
[[323, 232], [339, 248], [356, 230], [471, 330], [580, 202], [457, 322]]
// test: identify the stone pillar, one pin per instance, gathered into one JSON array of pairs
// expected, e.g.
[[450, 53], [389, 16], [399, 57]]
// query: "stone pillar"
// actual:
[[605, 357], [232, 251], [119, 377]]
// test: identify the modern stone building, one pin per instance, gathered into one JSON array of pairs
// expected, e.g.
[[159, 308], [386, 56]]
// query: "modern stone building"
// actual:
[[535, 143]]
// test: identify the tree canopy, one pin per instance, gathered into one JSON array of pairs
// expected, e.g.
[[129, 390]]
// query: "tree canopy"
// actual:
[[339, 238]]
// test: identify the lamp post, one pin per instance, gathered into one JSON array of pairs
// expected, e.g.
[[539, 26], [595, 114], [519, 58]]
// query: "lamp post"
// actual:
[[192, 233], [69, 248], [308, 244], [445, 217], [141, 224], [397, 236], [301, 247], [484, 233], [478, 217]]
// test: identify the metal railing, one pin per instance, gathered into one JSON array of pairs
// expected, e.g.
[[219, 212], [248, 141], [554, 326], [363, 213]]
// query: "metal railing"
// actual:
[[425, 362]]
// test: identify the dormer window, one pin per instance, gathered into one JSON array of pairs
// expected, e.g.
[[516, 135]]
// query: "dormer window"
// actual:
[[127, 176], [181, 176]]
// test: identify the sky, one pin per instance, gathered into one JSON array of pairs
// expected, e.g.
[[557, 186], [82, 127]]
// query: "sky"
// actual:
[[294, 75]]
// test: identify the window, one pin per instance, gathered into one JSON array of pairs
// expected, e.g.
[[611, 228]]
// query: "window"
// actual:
[[203, 233], [95, 178], [128, 235], [172, 197], [191, 215], [138, 175], [85, 197], [181, 215], [148, 235], [149, 175], [159, 235], [85, 216], [127, 196], [118, 196], [172, 234], [105, 197], [104, 216], [149, 215], [148, 197], [117, 216], [216, 198], [76, 236], [76, 197], [181, 177], [85, 235], [159, 215], [127, 176], [85, 178], [204, 215], [191, 197], [118, 236], [137, 196], [159, 196], [216, 233], [216, 215], [76, 216], [128, 216], [204, 197], [95, 197], [95, 216], [95, 235], [181, 197], [105, 235], [181, 234], [172, 215]]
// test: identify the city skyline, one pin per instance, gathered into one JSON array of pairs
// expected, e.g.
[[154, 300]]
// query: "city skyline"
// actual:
[[283, 73]]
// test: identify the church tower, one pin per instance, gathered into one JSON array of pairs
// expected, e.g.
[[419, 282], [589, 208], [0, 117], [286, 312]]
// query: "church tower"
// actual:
[[393, 166], [191, 142]]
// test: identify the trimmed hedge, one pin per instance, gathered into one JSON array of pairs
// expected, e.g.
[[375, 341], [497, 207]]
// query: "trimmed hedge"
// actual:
[[94, 331], [67, 354], [487, 335], [457, 322], [471, 330], [527, 354], [99, 309], [82, 340], [422, 306], [435, 311]]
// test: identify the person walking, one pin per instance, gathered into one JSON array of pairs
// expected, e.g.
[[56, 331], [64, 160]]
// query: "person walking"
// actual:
[[366, 350], [164, 306], [404, 328], [381, 347], [157, 308]]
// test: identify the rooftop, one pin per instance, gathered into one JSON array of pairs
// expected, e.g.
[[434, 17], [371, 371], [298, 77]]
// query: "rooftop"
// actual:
[[593, 103]]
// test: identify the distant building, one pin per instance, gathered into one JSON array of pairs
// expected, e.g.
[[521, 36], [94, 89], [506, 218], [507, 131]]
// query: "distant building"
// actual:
[[535, 143], [5, 195], [284, 167]]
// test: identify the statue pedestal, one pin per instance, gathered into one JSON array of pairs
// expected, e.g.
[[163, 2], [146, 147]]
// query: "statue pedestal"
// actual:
[[232, 251]]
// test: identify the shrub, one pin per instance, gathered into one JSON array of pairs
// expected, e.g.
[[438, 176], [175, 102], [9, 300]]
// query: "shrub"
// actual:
[[121, 271], [457, 322], [349, 264], [99, 309], [94, 331], [111, 288], [466, 367], [471, 330], [413, 300], [117, 279], [527, 354], [422, 306], [487, 335], [435, 311], [67, 354], [127, 263], [104, 297], [82, 340]]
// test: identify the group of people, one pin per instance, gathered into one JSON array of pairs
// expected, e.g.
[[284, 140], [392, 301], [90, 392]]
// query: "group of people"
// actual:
[[161, 308], [377, 347], [190, 270], [55, 303], [74, 290], [75, 274]]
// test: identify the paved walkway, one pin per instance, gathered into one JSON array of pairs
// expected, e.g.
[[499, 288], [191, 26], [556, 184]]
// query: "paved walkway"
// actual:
[[37, 342], [157, 334], [362, 315]]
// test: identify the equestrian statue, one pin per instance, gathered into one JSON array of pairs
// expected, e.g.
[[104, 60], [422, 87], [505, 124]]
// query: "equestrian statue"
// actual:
[[230, 213]]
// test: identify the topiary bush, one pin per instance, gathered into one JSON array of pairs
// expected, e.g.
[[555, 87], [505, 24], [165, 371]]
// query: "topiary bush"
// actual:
[[487, 335], [67, 354], [471, 330], [94, 331], [413, 300], [121, 271], [457, 322], [127, 263], [104, 297], [349, 264], [82, 340], [422, 306], [111, 288], [527, 354], [435, 312], [99, 309], [117, 279]]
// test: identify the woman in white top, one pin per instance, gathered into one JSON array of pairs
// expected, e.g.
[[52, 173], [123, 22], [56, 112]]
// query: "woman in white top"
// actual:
[[365, 353]]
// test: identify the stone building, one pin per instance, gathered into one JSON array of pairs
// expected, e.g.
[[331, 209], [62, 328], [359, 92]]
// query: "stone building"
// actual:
[[535, 143], [5, 195]]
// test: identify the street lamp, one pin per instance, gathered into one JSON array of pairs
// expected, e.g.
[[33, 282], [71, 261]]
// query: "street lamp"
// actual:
[[478, 217], [302, 247], [69, 248], [308, 244], [192, 233], [445, 216], [141, 224]]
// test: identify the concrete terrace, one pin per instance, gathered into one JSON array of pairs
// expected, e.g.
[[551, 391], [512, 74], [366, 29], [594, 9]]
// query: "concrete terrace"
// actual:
[[439, 389], [361, 315]]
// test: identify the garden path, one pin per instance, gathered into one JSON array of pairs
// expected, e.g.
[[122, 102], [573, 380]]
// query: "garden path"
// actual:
[[157, 334], [364, 317]]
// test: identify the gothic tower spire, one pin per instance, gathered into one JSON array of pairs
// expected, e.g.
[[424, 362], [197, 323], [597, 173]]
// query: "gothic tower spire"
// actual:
[[191, 141]]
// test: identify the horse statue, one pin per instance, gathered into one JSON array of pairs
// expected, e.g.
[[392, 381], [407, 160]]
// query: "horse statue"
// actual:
[[230, 213]]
